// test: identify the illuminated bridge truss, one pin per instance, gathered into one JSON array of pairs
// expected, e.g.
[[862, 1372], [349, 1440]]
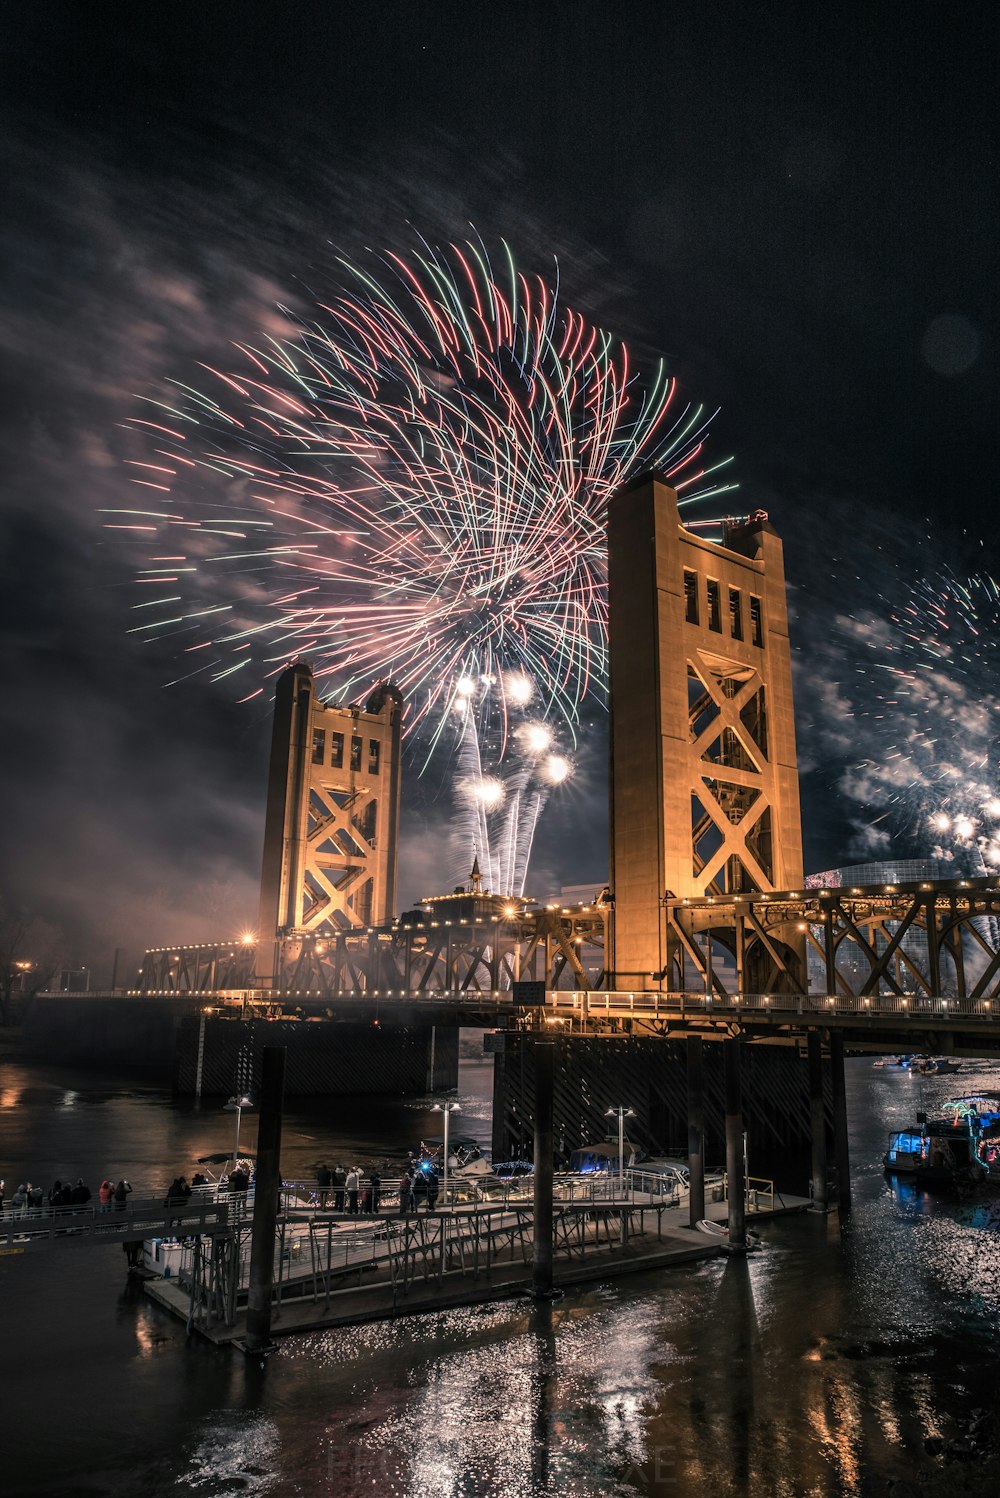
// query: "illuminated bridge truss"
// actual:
[[922, 941], [746, 963], [564, 949]]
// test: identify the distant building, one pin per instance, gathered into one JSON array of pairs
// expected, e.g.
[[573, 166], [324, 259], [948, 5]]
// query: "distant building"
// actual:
[[885, 871], [578, 894], [73, 980]]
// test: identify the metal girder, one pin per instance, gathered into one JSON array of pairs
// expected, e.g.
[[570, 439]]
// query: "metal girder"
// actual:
[[429, 958], [936, 938]]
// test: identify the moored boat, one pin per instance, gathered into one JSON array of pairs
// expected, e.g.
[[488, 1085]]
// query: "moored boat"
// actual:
[[936, 1152], [721, 1230]]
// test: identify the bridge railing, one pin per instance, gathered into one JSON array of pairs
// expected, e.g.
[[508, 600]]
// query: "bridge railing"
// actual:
[[651, 1004]]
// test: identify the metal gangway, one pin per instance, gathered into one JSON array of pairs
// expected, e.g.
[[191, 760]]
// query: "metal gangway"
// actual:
[[91, 1225]]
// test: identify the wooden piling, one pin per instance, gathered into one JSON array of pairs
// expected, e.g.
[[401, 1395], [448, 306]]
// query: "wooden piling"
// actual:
[[734, 1147], [841, 1151], [817, 1119], [696, 1128], [542, 1248], [267, 1186]]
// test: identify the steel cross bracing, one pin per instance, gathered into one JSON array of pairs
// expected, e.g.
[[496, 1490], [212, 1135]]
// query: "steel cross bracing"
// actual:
[[933, 940], [894, 966], [562, 948]]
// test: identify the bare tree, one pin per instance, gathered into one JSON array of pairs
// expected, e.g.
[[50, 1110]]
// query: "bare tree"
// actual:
[[29, 959]]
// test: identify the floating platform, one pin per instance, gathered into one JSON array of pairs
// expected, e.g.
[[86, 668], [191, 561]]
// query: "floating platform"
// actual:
[[593, 1250]]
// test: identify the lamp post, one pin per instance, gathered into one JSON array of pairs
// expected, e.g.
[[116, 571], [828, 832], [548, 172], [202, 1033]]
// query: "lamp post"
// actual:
[[447, 1109], [236, 1105], [621, 1114]]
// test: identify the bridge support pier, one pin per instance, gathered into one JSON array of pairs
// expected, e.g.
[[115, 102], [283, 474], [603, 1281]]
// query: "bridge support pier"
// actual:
[[541, 1281], [735, 1176], [817, 1120], [267, 1186], [841, 1153], [696, 1127]]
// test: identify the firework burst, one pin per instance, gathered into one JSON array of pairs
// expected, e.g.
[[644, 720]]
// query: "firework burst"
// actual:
[[411, 484], [501, 803], [925, 687]]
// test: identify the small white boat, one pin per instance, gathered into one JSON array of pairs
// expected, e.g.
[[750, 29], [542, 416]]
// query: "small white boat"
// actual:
[[721, 1230], [713, 1229]]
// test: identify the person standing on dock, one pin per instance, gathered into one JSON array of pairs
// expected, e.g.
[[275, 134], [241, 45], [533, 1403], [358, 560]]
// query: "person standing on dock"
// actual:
[[122, 1191], [375, 1192], [432, 1189], [405, 1192], [105, 1194], [351, 1186], [339, 1182], [323, 1182]]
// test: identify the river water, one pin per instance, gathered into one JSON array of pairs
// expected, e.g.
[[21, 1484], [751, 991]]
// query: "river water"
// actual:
[[832, 1362]]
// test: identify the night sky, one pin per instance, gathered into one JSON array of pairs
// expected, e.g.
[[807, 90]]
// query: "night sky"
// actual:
[[795, 205]]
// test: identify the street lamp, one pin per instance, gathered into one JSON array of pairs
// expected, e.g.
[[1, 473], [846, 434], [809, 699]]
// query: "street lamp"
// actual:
[[447, 1109], [237, 1105], [621, 1114]]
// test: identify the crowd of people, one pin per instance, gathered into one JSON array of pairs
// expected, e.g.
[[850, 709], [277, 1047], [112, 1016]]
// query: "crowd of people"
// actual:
[[348, 1189], [33, 1201], [344, 1189]]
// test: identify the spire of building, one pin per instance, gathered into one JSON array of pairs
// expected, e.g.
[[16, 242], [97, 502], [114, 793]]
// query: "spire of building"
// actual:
[[476, 877]]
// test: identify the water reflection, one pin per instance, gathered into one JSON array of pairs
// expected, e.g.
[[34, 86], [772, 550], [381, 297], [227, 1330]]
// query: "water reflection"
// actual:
[[820, 1365]]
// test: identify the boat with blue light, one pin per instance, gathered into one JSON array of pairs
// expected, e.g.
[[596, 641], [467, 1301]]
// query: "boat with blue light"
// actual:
[[936, 1152]]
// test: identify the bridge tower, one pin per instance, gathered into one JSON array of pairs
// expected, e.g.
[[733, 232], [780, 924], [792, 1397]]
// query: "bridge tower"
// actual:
[[332, 824], [704, 783]]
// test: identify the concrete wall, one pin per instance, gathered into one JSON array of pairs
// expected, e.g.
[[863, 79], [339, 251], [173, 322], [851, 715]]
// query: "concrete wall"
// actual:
[[159, 1038], [323, 1056], [93, 1030]]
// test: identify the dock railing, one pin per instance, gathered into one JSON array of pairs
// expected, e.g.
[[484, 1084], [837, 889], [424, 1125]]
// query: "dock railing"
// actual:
[[758, 1193], [90, 1222]]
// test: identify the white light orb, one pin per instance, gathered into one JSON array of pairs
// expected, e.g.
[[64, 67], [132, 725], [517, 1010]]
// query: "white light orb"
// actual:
[[519, 688], [992, 807], [964, 827], [536, 737], [940, 821], [488, 792], [557, 768], [465, 685]]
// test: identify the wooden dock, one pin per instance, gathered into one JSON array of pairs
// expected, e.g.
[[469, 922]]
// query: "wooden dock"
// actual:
[[392, 1266]]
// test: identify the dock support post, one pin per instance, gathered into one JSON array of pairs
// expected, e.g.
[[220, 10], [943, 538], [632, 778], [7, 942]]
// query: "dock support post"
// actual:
[[696, 1128], [200, 1068], [541, 1281], [817, 1119], [736, 1183], [267, 1187], [841, 1152]]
